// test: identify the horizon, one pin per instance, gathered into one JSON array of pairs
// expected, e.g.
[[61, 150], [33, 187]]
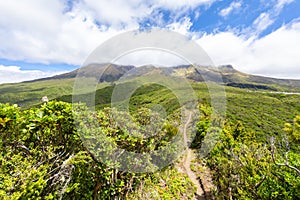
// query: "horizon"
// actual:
[[145, 65]]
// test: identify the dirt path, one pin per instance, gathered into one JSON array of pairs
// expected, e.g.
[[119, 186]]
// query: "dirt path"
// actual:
[[187, 162]]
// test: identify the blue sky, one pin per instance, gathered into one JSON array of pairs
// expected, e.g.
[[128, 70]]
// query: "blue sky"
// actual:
[[41, 38]]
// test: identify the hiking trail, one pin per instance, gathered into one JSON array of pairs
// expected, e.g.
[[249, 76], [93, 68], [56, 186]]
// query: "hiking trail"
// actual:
[[187, 162]]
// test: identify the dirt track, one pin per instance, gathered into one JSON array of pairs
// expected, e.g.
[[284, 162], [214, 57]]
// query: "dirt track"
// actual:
[[188, 159]]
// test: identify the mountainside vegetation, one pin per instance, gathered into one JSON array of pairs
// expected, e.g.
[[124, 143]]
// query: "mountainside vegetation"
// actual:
[[29, 93], [63, 150], [43, 157]]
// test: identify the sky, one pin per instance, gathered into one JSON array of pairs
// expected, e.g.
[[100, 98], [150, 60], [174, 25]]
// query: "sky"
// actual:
[[40, 38]]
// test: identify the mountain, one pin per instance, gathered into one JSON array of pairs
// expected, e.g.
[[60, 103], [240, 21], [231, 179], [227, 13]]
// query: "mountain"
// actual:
[[30, 93], [232, 77], [109, 72], [224, 74], [253, 105]]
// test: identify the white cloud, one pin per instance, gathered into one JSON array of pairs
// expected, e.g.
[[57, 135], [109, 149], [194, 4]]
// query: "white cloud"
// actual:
[[151, 57], [13, 74], [262, 22], [42, 31], [266, 19], [118, 14], [276, 54], [183, 26], [175, 5], [233, 6], [281, 3]]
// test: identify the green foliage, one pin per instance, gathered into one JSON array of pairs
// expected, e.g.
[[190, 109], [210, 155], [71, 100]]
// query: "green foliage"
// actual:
[[293, 130], [107, 131], [202, 125], [43, 156], [168, 184], [256, 110], [30, 93], [243, 167]]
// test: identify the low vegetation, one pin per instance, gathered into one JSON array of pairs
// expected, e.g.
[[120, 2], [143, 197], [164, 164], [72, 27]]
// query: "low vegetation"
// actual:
[[56, 150], [43, 157], [244, 168]]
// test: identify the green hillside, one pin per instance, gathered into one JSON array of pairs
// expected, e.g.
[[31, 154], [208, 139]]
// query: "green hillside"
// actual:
[[46, 153], [30, 93], [260, 111], [254, 103]]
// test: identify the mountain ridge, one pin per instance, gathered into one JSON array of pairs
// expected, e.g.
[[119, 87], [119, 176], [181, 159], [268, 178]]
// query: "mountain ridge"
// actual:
[[30, 92], [112, 72]]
